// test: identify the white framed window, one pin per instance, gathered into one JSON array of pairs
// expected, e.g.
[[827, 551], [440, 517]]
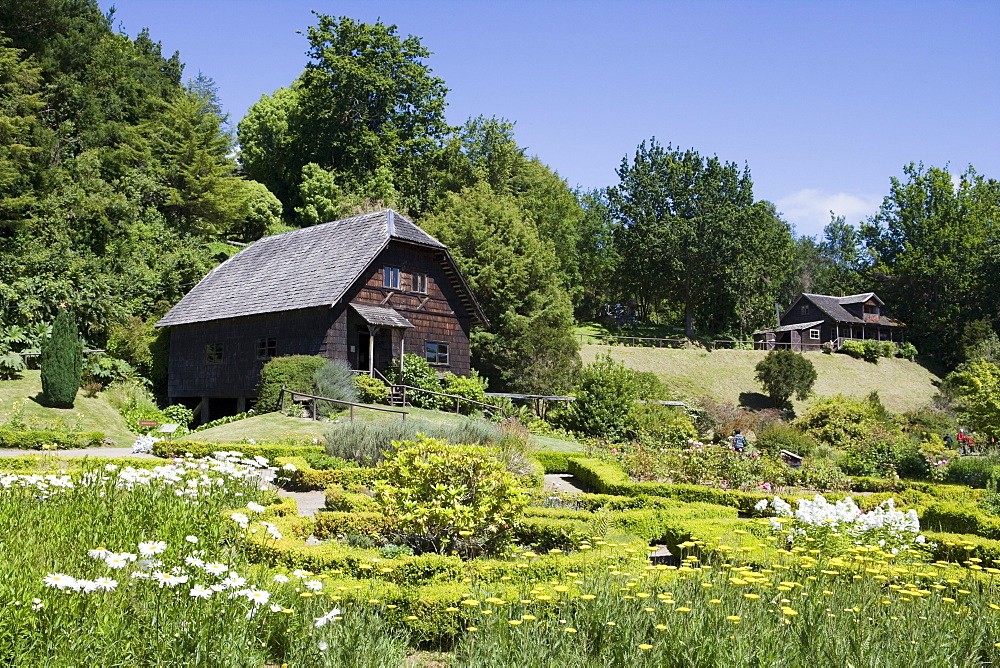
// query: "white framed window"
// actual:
[[436, 353], [814, 334], [418, 282], [390, 278]]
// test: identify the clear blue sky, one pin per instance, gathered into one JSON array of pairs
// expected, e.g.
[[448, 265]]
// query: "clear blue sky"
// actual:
[[825, 101]]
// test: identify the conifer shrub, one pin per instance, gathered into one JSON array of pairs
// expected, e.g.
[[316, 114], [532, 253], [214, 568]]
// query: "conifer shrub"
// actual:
[[296, 372], [62, 362], [336, 381]]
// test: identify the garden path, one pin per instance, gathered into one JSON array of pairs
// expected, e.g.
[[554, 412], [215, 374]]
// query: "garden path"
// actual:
[[563, 482]]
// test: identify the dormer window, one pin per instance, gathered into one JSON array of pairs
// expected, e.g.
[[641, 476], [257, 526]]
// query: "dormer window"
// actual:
[[418, 282], [871, 310], [390, 278]]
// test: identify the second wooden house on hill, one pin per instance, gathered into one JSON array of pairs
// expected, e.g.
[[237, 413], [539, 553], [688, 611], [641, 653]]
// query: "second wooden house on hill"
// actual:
[[815, 320], [362, 290]]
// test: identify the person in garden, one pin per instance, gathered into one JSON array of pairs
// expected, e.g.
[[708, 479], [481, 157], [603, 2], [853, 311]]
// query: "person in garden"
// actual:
[[739, 441], [964, 443]]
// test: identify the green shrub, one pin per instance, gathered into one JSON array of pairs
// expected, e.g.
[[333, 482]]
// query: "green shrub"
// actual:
[[605, 399], [869, 350], [553, 461], [783, 374], [907, 351], [269, 451], [102, 369], [661, 426], [439, 497], [838, 420], [61, 361], [296, 372], [370, 390], [334, 380], [49, 439], [781, 436], [418, 373], [823, 475], [470, 387], [882, 450], [136, 404], [972, 471]]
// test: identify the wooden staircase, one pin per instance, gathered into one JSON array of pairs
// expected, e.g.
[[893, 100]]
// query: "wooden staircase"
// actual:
[[397, 396]]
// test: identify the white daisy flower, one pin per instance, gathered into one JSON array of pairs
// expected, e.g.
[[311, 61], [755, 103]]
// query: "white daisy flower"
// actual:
[[216, 568], [59, 580], [149, 548], [280, 578], [191, 539], [255, 507], [198, 591], [313, 585]]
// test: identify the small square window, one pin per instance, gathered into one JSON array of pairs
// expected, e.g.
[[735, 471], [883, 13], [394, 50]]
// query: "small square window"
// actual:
[[804, 309], [390, 278], [814, 334], [267, 348], [436, 353], [418, 282], [213, 353]]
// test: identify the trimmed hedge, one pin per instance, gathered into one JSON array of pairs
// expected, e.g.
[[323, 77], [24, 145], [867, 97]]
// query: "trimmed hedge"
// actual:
[[51, 462], [270, 451], [302, 477], [609, 478], [954, 518], [49, 439], [553, 461]]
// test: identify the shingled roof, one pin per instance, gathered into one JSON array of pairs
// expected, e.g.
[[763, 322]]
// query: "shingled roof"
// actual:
[[834, 308], [313, 266]]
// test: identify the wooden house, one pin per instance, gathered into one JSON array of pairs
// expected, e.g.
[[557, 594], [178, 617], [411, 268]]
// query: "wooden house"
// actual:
[[815, 320], [363, 290]]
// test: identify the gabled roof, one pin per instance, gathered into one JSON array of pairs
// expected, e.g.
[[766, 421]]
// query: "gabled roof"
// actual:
[[833, 307], [313, 266]]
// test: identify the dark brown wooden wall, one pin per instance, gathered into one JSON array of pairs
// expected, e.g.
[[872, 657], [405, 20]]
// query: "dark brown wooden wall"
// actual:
[[299, 332], [438, 316]]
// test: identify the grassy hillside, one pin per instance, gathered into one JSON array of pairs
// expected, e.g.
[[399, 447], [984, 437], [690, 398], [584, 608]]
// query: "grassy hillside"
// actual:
[[87, 414], [725, 375]]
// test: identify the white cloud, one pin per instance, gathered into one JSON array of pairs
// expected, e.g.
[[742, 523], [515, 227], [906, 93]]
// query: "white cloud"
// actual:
[[809, 209]]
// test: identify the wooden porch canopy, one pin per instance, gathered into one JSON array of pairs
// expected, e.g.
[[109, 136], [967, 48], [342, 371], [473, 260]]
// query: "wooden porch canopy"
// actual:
[[377, 317]]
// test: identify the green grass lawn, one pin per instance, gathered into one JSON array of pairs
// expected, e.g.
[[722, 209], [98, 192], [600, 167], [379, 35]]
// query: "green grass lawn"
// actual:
[[87, 414], [725, 375]]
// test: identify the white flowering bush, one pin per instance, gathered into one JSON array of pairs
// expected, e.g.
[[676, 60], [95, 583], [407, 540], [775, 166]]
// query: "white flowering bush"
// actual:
[[830, 526]]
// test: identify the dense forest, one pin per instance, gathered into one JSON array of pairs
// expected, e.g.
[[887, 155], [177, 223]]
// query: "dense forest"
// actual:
[[122, 183]]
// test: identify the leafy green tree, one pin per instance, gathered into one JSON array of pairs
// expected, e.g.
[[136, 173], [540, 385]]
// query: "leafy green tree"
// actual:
[[784, 373], [596, 255], [932, 254], [62, 361], [694, 237], [366, 108], [979, 388], [841, 253], [529, 345], [605, 398]]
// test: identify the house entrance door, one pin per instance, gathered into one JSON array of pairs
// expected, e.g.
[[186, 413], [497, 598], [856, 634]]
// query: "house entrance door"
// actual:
[[361, 355]]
